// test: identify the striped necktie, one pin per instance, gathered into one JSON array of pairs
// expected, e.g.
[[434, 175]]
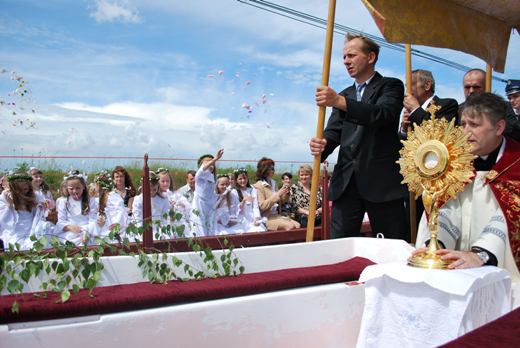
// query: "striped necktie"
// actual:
[[359, 89]]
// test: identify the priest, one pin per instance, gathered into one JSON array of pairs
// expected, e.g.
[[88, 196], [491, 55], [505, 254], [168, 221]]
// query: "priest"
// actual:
[[482, 225]]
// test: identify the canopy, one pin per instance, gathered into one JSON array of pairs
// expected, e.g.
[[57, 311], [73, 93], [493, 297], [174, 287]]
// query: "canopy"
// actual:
[[478, 27]]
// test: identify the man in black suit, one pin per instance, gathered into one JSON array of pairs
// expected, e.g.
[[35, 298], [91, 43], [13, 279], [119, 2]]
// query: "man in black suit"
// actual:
[[422, 96], [363, 124]]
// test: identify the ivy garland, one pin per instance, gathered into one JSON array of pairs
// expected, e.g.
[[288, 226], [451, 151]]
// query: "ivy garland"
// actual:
[[68, 267]]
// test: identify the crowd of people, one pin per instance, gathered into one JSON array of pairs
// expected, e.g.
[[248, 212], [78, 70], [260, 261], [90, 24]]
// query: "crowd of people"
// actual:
[[368, 121], [209, 204], [370, 117]]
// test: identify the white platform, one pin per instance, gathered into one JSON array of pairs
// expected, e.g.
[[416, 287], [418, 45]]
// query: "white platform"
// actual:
[[316, 316]]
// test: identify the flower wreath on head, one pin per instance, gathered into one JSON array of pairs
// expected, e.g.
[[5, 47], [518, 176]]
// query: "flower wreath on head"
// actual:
[[74, 173], [152, 177], [18, 176], [240, 171], [104, 180], [162, 170]]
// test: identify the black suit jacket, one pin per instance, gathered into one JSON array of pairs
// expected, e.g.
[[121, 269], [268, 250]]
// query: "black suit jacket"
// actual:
[[368, 141], [449, 110], [512, 124]]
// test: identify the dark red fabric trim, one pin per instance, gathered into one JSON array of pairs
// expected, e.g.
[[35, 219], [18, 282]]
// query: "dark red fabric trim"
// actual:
[[503, 332], [119, 298]]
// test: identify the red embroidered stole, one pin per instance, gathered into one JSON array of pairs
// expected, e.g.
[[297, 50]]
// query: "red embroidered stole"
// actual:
[[504, 180]]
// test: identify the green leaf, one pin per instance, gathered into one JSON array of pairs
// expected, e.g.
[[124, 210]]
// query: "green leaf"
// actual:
[[65, 295], [25, 274], [91, 283], [15, 308], [85, 272], [12, 286], [75, 288]]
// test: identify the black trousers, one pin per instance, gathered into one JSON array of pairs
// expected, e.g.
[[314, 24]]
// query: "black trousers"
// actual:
[[388, 218]]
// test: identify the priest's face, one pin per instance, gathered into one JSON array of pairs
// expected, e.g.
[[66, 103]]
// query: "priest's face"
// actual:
[[484, 136]]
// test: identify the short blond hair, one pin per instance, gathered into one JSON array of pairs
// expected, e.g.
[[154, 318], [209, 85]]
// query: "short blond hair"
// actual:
[[305, 168]]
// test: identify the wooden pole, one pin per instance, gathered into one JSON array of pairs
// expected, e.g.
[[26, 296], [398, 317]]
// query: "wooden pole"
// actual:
[[489, 70], [321, 120], [411, 195], [147, 207]]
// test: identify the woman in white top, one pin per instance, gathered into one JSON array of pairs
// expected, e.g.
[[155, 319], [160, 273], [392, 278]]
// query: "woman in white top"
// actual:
[[160, 207], [76, 211], [249, 213], [20, 216], [205, 197], [180, 213]]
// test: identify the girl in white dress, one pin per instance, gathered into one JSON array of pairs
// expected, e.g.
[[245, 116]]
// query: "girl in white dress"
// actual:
[[249, 213], [205, 197], [124, 186], [160, 206], [20, 215], [226, 214], [111, 212], [41, 190], [178, 203], [76, 211]]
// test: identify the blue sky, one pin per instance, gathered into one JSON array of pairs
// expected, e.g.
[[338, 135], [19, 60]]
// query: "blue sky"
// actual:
[[175, 78]]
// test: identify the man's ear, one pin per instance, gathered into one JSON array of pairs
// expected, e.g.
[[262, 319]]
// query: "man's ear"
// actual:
[[500, 127], [371, 57], [428, 85]]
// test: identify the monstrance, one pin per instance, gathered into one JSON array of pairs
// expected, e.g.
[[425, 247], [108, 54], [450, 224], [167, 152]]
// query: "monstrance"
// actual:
[[436, 163]]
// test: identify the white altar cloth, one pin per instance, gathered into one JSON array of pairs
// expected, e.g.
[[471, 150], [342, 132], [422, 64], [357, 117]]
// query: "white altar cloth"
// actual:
[[410, 307]]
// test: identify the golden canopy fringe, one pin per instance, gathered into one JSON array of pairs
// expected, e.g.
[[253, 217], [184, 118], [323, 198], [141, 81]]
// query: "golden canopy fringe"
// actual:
[[478, 27]]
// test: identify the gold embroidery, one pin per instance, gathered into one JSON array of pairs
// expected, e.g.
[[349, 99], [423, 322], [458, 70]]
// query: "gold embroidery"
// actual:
[[491, 175]]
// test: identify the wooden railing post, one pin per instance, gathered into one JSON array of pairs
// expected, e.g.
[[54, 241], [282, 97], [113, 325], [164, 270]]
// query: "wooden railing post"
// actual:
[[147, 207]]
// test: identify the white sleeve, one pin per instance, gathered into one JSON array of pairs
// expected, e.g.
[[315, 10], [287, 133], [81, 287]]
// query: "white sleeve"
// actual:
[[116, 210], [63, 216], [203, 176], [494, 236], [235, 203], [137, 210], [256, 209], [6, 215]]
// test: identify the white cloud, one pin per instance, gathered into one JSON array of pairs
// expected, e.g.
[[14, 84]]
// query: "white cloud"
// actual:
[[114, 11]]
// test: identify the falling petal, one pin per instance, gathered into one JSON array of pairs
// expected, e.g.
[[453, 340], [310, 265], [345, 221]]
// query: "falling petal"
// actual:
[[248, 83], [220, 72], [210, 76], [237, 74]]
